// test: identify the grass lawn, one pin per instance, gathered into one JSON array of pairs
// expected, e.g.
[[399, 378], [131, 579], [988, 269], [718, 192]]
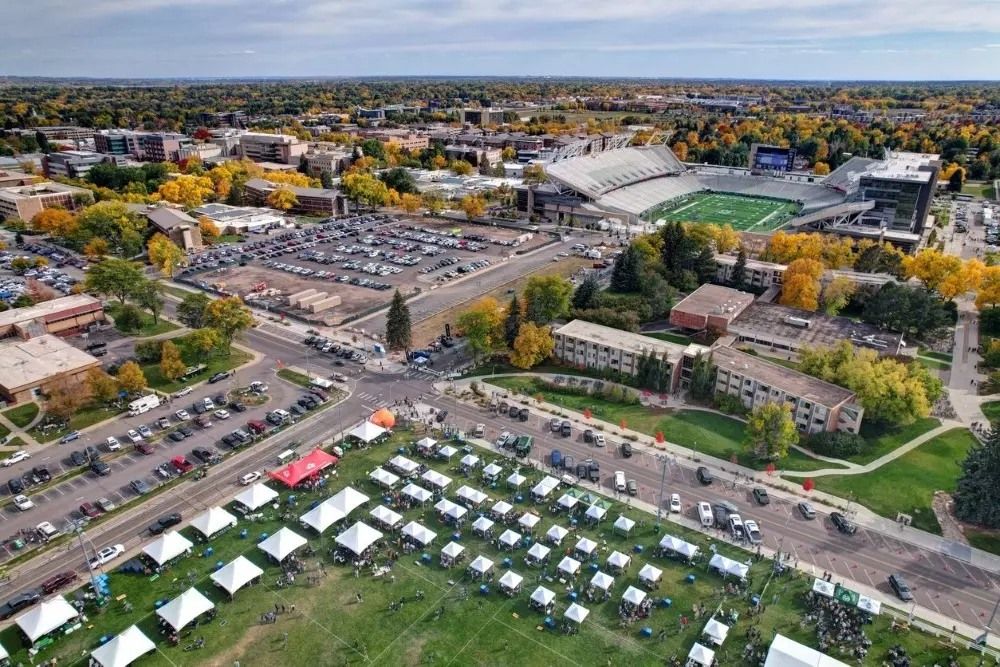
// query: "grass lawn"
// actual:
[[4, 431], [982, 189], [214, 364], [162, 326], [991, 409], [15, 443], [908, 483], [940, 356], [22, 415], [934, 364], [705, 432], [987, 540], [883, 438], [680, 339], [743, 213], [329, 626], [294, 377], [87, 416], [179, 292]]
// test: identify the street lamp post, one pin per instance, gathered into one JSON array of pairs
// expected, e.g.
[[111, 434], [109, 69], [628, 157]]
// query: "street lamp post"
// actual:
[[663, 478]]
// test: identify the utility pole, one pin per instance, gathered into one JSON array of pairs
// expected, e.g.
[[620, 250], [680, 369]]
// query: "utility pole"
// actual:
[[986, 633], [663, 478]]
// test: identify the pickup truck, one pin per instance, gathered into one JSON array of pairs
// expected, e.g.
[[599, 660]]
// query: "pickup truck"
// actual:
[[182, 464]]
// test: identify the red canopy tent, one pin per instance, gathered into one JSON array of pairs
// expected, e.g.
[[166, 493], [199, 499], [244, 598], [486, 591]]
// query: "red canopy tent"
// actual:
[[308, 466]]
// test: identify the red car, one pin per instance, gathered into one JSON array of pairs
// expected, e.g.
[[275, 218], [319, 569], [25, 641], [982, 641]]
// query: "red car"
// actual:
[[182, 464], [144, 447], [90, 510]]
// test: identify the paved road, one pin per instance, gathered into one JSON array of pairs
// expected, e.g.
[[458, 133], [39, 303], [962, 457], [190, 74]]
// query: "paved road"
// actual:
[[949, 586]]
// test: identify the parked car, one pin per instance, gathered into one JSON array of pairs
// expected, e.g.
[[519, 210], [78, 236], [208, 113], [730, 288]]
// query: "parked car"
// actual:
[[16, 457], [737, 528], [626, 450], [250, 478], [704, 475], [15, 486], [221, 414], [522, 414], [218, 377], [23, 503], [900, 587], [555, 424], [89, 510], [752, 531], [145, 431], [176, 436], [100, 468], [441, 416], [133, 435], [588, 434], [164, 522], [182, 415], [842, 523], [18, 603], [41, 475], [106, 555], [599, 439], [555, 458], [204, 454], [105, 504], [806, 510], [760, 495], [182, 464], [594, 470], [675, 502], [78, 458], [55, 582], [140, 486], [69, 437], [163, 422], [144, 448], [633, 487]]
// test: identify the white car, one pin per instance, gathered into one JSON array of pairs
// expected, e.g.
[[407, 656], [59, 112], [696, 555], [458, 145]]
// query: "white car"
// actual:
[[182, 415], [16, 457], [112, 444], [599, 439], [675, 502], [106, 555], [480, 430], [250, 478], [183, 392], [133, 435], [752, 531], [222, 414], [23, 502]]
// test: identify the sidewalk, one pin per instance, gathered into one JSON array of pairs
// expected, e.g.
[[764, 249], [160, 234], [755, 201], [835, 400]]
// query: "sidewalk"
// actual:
[[791, 492]]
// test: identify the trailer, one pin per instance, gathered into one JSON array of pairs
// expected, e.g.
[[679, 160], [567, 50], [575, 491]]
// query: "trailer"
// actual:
[[144, 404]]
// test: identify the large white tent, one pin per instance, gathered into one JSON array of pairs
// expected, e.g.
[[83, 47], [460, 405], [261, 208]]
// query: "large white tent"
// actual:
[[492, 471], [367, 431], [46, 617], [212, 521], [701, 655], [447, 452], [282, 544], [569, 565], [426, 443], [481, 565], [403, 464], [471, 495], [543, 596], [544, 487], [358, 537], [619, 560], [785, 652], [482, 525], [452, 550], [716, 631], [167, 547], [501, 508], [677, 545], [728, 566], [184, 608], [511, 580], [624, 524], [634, 595], [256, 496], [436, 479], [567, 501], [538, 552], [386, 516], [650, 574], [510, 539], [595, 512], [347, 500], [602, 581], [871, 605], [448, 508], [516, 479], [556, 534], [124, 649], [322, 516], [824, 587], [528, 520], [384, 478], [576, 613], [585, 545], [236, 574], [470, 461], [418, 493], [3, 653], [418, 533]]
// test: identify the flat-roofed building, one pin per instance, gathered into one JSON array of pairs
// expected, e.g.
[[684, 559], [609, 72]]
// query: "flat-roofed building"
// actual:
[[117, 142], [27, 201], [309, 201], [65, 132], [30, 368], [63, 316], [756, 274], [200, 151], [816, 405], [241, 219], [598, 347], [710, 307], [481, 116], [330, 162], [283, 148], [10, 179], [71, 164], [162, 146]]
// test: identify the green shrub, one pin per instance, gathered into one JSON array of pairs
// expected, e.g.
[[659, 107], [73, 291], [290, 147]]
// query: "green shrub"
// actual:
[[837, 444]]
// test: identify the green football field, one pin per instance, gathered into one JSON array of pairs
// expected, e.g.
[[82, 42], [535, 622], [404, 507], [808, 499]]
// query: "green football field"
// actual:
[[745, 214]]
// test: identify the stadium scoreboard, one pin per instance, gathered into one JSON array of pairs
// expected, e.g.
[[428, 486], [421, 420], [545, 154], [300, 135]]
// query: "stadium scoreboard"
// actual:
[[765, 158]]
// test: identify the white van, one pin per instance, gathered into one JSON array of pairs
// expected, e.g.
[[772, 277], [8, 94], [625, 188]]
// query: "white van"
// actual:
[[705, 514], [620, 481], [322, 383], [144, 404]]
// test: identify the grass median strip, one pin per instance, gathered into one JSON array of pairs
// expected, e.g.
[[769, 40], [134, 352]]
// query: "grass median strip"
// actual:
[[22, 415]]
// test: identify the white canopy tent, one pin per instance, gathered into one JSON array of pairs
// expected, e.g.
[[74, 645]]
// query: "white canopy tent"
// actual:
[[543, 596], [212, 521], [426, 443], [418, 533], [492, 471], [471, 495], [470, 461], [624, 524], [47, 616], [576, 613], [872, 606], [785, 652], [701, 655], [358, 538], [567, 501], [481, 565], [236, 574], [184, 608], [403, 464], [729, 566], [556, 534], [679, 546], [511, 580], [602, 581], [418, 493], [595, 512], [823, 587], [717, 632], [634, 595], [347, 500], [510, 539], [3, 653], [516, 479], [322, 516], [256, 496], [167, 547], [386, 516], [650, 574], [569, 565], [451, 510], [123, 650], [619, 560], [502, 508], [384, 478], [538, 552], [367, 432], [436, 479], [282, 544], [544, 487], [482, 525], [447, 452], [585, 546], [452, 550], [528, 520], [444, 505]]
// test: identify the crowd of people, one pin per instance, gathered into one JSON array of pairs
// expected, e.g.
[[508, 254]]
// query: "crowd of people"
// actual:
[[838, 625]]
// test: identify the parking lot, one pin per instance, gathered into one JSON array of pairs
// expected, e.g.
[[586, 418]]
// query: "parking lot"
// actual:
[[53, 267], [360, 259]]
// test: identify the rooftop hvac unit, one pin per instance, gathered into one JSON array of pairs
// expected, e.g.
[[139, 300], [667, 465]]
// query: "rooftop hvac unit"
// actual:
[[799, 322]]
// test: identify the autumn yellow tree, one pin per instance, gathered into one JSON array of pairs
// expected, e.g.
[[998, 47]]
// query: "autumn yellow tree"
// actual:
[[164, 254], [96, 248], [130, 377], [171, 364], [966, 279], [439, 162], [473, 205], [932, 267], [533, 345], [836, 294], [282, 199], [187, 190], [482, 325], [460, 167], [821, 169], [209, 230], [292, 178], [988, 293], [727, 239], [57, 222], [410, 203], [801, 288]]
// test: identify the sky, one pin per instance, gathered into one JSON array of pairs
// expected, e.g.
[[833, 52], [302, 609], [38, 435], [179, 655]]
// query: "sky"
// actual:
[[762, 39]]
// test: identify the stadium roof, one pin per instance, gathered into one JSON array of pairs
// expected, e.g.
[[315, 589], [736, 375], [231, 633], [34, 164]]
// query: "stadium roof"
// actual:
[[598, 173]]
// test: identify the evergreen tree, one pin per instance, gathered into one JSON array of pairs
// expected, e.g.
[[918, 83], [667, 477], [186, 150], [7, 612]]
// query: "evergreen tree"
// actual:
[[326, 179], [512, 325], [704, 265], [739, 270], [702, 385], [625, 276], [975, 498], [398, 330], [585, 295]]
